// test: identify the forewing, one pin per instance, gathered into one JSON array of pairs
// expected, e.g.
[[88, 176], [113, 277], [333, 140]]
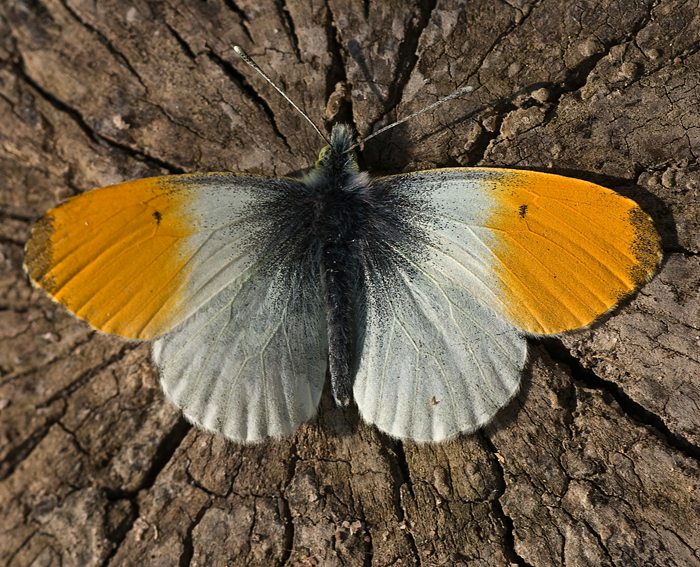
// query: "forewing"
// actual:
[[252, 362], [138, 258], [551, 253]]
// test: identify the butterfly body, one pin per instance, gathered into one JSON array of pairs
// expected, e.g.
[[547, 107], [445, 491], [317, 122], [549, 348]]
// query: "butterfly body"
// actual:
[[415, 291], [343, 207], [351, 224]]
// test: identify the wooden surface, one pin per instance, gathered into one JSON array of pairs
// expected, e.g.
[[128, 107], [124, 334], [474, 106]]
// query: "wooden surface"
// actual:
[[595, 462]]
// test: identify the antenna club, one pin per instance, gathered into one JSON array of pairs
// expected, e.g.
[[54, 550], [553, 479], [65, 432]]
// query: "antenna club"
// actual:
[[238, 50]]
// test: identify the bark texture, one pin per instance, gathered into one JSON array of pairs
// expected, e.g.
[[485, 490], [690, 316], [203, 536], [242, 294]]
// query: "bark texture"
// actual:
[[596, 461]]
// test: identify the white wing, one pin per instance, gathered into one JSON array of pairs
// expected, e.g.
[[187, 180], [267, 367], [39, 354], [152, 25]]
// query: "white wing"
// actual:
[[252, 362], [439, 358]]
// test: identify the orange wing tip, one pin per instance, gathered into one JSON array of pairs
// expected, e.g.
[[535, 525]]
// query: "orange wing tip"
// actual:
[[97, 255], [572, 250], [38, 262]]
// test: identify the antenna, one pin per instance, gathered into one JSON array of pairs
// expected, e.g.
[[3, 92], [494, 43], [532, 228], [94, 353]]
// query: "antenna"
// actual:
[[456, 94], [246, 59]]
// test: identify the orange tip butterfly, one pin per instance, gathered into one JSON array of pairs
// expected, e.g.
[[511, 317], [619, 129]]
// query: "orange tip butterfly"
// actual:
[[416, 292]]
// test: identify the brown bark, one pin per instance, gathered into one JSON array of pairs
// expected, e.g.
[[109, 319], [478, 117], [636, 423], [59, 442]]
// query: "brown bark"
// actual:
[[595, 462]]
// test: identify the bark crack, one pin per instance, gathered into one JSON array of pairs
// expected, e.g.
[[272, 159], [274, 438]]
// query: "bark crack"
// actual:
[[166, 449], [638, 413], [236, 9], [407, 58], [402, 477], [187, 542], [242, 83], [87, 375], [504, 34], [184, 46], [336, 71], [162, 456], [104, 40], [82, 123], [75, 346], [18, 454], [285, 510], [289, 28], [498, 511], [599, 539], [365, 9], [11, 241], [19, 217]]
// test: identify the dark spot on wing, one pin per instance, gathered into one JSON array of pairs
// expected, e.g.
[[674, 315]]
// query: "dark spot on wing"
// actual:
[[158, 217], [522, 211]]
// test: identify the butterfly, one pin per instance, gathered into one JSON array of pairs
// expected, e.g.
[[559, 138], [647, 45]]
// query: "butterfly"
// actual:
[[415, 292]]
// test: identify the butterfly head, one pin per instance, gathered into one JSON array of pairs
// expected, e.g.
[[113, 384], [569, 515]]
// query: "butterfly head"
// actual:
[[336, 156]]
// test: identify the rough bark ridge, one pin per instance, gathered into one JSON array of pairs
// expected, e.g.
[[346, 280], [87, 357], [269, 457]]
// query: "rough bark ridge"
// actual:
[[595, 463]]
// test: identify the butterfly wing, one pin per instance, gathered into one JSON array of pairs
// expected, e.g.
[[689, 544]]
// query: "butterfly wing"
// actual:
[[489, 257], [223, 268], [436, 361], [252, 362], [137, 258]]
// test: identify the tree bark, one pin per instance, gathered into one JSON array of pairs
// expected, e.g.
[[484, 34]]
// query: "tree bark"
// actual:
[[594, 463]]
